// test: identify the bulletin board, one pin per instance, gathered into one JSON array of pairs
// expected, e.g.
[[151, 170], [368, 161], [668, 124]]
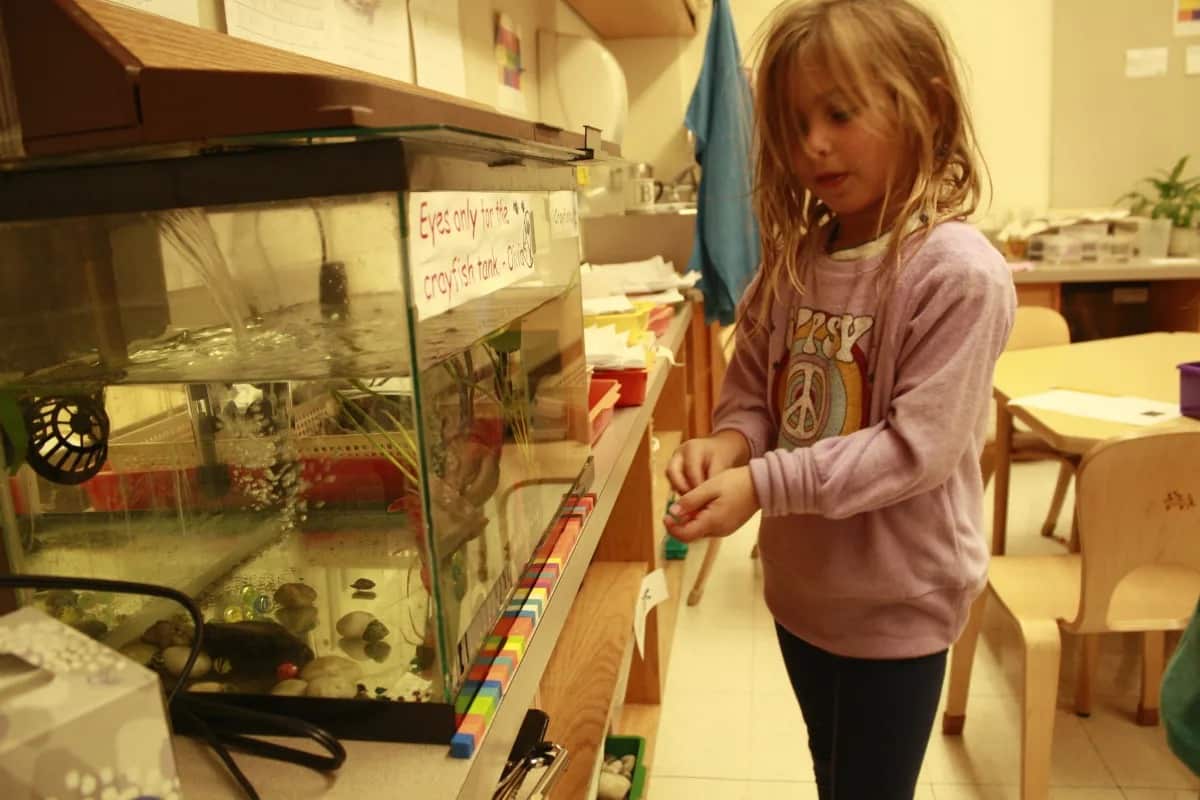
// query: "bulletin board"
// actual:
[[1109, 130]]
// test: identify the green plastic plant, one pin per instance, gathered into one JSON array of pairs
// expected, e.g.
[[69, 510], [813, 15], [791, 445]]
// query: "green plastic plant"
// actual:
[[1178, 198]]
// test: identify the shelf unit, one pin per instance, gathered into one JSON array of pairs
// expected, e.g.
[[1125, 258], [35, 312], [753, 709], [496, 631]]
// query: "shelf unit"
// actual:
[[621, 19], [607, 555]]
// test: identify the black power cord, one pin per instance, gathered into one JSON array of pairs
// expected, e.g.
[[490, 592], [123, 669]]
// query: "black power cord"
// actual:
[[199, 710]]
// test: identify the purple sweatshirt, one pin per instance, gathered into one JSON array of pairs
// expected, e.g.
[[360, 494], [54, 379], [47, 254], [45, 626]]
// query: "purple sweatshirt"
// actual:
[[872, 502]]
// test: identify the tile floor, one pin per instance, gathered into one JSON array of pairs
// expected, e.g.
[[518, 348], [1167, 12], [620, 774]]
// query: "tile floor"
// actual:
[[742, 738]]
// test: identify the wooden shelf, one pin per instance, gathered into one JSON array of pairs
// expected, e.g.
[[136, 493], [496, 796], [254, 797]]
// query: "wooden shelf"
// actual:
[[427, 771], [622, 19], [582, 677], [1102, 271], [123, 78]]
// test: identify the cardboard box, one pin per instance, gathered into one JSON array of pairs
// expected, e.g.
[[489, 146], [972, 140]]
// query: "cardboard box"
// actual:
[[77, 719]]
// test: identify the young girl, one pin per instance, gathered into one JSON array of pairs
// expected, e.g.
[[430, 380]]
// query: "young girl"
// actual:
[[855, 407]]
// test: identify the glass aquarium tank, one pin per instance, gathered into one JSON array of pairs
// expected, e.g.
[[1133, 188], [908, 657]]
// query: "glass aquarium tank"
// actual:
[[333, 390]]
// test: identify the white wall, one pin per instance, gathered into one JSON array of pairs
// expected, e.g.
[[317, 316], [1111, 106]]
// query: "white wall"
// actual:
[[1006, 51], [476, 23]]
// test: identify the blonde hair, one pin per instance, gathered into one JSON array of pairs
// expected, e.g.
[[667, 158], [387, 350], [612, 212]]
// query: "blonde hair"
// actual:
[[889, 58]]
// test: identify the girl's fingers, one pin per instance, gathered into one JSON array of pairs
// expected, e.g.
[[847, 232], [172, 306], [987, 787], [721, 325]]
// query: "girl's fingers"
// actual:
[[694, 469], [692, 502], [696, 527], [675, 474]]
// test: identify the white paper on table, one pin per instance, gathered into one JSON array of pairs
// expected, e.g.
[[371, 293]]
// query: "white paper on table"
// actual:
[[1146, 62], [608, 348], [635, 277], [612, 304], [669, 297], [1192, 60], [437, 46], [179, 10], [654, 591], [1138, 411]]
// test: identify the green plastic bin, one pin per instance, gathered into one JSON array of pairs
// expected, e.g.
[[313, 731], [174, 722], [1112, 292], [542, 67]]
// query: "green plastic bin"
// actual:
[[618, 746]]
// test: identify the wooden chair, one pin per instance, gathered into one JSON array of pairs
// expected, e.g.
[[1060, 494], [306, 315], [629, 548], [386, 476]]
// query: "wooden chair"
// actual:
[[1034, 326], [1138, 516]]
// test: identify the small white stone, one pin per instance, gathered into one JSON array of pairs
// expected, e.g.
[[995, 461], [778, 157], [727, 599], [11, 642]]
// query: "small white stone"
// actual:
[[613, 787], [335, 666], [353, 624], [291, 687], [175, 658], [331, 686]]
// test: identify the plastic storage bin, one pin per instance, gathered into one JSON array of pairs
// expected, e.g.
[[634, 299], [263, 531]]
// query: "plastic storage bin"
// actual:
[[632, 382], [618, 746], [660, 319], [625, 321], [1189, 389], [602, 399]]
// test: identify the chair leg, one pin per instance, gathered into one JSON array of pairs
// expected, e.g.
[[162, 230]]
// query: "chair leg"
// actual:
[[1153, 649], [962, 658], [1089, 656], [987, 462], [1065, 471], [1043, 656], [710, 558]]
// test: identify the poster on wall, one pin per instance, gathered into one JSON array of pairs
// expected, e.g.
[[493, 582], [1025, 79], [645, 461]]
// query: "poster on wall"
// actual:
[[508, 65], [438, 47], [1187, 17], [466, 245], [179, 10], [370, 35]]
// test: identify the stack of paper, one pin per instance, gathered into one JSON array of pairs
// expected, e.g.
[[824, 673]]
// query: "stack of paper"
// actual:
[[1137, 411], [608, 348], [636, 277], [611, 304]]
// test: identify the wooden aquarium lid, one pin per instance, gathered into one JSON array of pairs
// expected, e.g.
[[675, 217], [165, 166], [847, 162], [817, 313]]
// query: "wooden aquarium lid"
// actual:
[[89, 75]]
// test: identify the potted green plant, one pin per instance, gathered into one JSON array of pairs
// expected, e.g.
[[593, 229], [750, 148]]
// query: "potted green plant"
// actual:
[[1176, 199]]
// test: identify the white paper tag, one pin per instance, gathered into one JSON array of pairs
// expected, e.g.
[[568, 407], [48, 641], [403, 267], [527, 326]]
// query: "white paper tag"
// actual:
[[1146, 62], [1192, 60], [465, 245], [564, 215], [654, 591]]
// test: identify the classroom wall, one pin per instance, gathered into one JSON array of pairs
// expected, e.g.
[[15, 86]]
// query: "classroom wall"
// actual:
[[1005, 48], [1109, 131], [476, 22]]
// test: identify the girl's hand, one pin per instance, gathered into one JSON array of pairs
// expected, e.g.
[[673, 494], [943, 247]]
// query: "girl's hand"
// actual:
[[718, 507], [699, 460]]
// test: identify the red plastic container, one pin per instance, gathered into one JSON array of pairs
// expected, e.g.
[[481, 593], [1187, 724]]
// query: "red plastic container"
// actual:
[[602, 400], [1189, 389], [632, 382], [660, 319], [348, 481]]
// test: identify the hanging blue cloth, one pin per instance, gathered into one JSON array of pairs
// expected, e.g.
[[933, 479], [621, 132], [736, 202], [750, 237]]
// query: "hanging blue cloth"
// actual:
[[725, 252]]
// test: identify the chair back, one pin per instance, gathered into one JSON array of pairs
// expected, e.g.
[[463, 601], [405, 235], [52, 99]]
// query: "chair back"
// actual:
[[1138, 510], [1037, 326]]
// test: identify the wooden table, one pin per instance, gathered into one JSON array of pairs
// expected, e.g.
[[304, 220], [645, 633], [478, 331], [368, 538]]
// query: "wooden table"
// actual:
[[1142, 366], [1174, 287]]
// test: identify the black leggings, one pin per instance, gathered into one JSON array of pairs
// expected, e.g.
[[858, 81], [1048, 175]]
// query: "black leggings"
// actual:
[[868, 721]]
